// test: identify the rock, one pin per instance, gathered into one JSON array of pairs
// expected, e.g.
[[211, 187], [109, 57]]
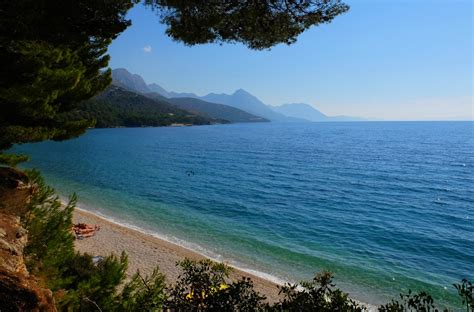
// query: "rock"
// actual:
[[21, 233], [11, 247], [19, 293], [18, 289], [15, 191]]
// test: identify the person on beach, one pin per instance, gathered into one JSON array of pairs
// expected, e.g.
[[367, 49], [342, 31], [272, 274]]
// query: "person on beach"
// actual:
[[82, 230]]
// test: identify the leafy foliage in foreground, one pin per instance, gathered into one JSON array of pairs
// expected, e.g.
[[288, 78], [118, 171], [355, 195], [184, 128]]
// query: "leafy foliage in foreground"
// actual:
[[465, 291], [80, 284], [260, 24], [411, 302], [317, 295], [143, 293], [50, 240], [12, 160], [204, 286], [52, 56]]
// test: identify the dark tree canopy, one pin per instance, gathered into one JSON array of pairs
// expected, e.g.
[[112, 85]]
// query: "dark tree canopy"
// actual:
[[260, 24], [53, 54], [51, 57]]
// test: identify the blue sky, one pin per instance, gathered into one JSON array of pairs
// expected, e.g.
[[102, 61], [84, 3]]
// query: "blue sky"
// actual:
[[384, 59]]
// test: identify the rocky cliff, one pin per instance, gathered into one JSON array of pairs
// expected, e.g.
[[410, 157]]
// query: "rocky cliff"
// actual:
[[19, 291]]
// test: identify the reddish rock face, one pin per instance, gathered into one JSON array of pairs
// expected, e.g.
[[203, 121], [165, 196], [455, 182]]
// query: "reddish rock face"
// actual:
[[19, 293], [13, 239], [18, 290], [15, 191]]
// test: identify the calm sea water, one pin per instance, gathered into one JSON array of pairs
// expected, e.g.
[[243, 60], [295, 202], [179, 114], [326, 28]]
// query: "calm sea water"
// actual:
[[385, 206]]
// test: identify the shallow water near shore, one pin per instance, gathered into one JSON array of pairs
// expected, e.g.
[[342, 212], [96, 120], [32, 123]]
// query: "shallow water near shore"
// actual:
[[386, 206]]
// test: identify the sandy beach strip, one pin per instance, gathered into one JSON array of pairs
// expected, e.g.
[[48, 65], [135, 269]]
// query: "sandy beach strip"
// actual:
[[145, 252]]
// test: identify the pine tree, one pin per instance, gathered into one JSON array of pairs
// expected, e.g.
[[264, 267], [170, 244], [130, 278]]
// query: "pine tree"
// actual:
[[52, 57]]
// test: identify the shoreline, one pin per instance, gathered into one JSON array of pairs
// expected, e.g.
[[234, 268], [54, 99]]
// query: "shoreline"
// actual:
[[146, 251]]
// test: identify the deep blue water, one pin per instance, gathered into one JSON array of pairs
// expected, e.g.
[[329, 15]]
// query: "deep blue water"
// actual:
[[385, 206]]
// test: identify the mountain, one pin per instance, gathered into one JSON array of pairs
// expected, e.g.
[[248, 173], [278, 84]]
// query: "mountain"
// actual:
[[213, 110], [117, 107], [308, 112], [245, 101], [124, 79], [153, 87], [240, 99], [183, 94], [300, 110], [131, 82], [135, 83]]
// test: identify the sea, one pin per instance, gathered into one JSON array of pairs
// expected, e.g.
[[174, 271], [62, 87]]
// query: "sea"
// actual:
[[385, 206]]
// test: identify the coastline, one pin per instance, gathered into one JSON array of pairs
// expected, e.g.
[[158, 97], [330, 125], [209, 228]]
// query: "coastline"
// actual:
[[146, 251]]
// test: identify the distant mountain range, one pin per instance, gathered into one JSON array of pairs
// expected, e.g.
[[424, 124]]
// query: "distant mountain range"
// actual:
[[243, 100], [240, 99], [308, 112], [210, 110]]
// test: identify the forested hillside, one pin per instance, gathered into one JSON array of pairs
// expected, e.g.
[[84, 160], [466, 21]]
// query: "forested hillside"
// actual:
[[214, 110], [117, 107]]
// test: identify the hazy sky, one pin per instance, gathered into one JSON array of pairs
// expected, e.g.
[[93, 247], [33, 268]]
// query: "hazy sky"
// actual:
[[384, 59]]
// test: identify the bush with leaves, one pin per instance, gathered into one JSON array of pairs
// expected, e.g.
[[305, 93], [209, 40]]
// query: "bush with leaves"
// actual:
[[92, 286], [50, 240], [143, 293], [317, 295], [205, 286], [465, 291], [421, 301], [12, 160]]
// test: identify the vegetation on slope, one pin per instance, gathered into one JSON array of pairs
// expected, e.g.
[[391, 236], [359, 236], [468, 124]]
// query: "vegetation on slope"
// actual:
[[135, 83], [117, 107], [214, 110]]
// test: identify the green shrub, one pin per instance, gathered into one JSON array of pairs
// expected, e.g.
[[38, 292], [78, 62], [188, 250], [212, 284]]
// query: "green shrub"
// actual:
[[317, 295], [465, 292], [204, 286], [50, 239], [12, 160], [421, 301], [92, 286], [143, 293]]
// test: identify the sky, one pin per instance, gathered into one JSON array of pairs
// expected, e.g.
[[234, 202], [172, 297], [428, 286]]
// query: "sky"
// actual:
[[384, 60]]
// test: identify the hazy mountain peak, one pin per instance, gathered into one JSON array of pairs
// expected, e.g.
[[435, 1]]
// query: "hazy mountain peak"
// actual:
[[154, 87], [309, 112], [121, 70], [130, 81], [301, 110], [216, 94], [241, 92], [136, 83], [240, 99]]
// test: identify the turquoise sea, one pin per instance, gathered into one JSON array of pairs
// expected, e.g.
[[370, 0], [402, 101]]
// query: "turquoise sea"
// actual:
[[386, 206]]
